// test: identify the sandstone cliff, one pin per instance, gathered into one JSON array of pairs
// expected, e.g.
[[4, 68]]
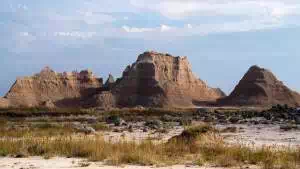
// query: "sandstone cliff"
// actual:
[[162, 80], [51, 89], [155, 79], [259, 87]]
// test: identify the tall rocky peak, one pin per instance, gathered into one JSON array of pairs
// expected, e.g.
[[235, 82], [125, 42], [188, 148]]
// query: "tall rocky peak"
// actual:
[[61, 89], [46, 72], [110, 81], [158, 79], [258, 74], [260, 87]]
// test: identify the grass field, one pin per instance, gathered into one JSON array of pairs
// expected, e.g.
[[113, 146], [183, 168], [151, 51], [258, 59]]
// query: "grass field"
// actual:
[[200, 145]]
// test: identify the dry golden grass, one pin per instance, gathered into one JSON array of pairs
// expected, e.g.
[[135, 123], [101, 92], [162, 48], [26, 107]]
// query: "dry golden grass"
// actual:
[[214, 150], [95, 149], [35, 130], [199, 144]]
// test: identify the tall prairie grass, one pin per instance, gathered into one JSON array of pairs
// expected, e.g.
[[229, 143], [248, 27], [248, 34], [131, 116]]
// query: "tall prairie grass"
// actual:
[[35, 130]]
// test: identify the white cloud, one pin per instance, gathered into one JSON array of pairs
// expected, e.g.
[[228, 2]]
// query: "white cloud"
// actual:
[[178, 9], [22, 7], [83, 35], [93, 18], [225, 15], [189, 26], [243, 26], [165, 28], [162, 28], [204, 29], [24, 34], [137, 30]]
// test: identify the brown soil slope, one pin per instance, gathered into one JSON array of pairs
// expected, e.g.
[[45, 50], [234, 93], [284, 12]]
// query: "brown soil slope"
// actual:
[[259, 87], [49, 88], [161, 80], [4, 103]]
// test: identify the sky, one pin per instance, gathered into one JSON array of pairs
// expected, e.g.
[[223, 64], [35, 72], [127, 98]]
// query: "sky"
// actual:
[[221, 38]]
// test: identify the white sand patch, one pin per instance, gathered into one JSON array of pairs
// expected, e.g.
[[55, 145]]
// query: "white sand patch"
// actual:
[[262, 135], [71, 163], [139, 135]]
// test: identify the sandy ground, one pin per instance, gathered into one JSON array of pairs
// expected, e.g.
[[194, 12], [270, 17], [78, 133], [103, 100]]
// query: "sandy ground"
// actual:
[[139, 135], [252, 135], [71, 163], [263, 135]]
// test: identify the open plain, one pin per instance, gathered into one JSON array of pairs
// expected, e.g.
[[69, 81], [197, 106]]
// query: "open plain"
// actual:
[[150, 138]]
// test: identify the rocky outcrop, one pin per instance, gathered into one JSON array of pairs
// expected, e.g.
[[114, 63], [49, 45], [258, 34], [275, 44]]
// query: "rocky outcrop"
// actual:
[[105, 100], [110, 82], [48, 104], [161, 80], [50, 89], [154, 80], [259, 87]]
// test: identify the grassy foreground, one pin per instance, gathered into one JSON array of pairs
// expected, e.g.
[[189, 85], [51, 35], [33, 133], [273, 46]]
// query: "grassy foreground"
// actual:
[[200, 145]]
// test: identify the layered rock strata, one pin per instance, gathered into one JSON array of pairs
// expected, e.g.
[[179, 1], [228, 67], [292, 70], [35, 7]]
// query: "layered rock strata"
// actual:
[[161, 80], [49, 88], [260, 87]]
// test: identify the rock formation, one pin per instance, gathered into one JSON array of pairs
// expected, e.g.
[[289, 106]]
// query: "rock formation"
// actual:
[[50, 89], [110, 82], [259, 87], [160, 80], [48, 104], [105, 100], [155, 79]]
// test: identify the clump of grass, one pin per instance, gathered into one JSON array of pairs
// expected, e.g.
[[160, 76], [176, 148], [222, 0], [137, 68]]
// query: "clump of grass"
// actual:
[[36, 130], [3, 153], [232, 129], [191, 133], [100, 127], [84, 164], [45, 126], [47, 156]]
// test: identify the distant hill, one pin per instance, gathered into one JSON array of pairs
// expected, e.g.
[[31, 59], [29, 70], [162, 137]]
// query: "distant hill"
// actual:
[[260, 87]]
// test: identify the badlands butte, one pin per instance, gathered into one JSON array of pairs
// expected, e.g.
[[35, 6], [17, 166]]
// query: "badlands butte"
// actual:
[[154, 80]]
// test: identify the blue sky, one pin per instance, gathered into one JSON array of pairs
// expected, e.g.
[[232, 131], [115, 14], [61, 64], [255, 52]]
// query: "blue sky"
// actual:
[[222, 38]]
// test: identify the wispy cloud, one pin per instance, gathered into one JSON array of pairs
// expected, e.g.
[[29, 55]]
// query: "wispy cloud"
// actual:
[[137, 30], [76, 34], [162, 28], [178, 9], [226, 15], [78, 20]]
